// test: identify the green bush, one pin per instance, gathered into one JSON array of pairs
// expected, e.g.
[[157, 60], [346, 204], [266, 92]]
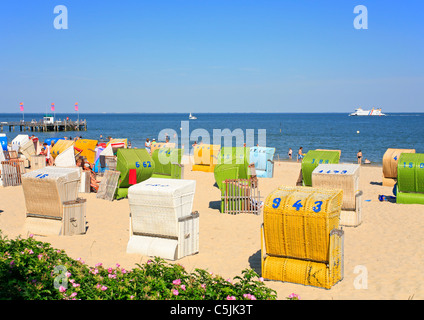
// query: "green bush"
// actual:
[[33, 270]]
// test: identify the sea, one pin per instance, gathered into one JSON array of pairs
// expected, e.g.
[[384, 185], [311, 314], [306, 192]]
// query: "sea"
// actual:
[[335, 131]]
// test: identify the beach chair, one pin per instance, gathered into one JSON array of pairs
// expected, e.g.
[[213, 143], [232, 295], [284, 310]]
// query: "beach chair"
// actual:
[[205, 157], [168, 163], [47, 191], [19, 141], [159, 145], [263, 159], [345, 177], [37, 161], [3, 142], [301, 241], [135, 166], [232, 163], [88, 147], [312, 159], [27, 149], [162, 222], [63, 153], [410, 179], [390, 165]]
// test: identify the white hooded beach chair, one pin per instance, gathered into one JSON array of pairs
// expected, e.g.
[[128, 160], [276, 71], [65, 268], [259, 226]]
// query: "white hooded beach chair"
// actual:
[[66, 158], [46, 192], [19, 141], [162, 222], [345, 177]]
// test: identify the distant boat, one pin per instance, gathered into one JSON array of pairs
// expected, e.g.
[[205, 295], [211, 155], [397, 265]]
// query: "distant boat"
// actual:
[[372, 112], [191, 117]]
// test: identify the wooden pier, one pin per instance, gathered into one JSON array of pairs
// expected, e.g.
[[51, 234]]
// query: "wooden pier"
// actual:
[[41, 126]]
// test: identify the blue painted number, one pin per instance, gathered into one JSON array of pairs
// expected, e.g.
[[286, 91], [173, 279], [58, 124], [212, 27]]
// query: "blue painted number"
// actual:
[[297, 205], [276, 203], [317, 208]]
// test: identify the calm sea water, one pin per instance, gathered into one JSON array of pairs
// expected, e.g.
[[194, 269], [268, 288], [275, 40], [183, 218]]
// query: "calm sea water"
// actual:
[[283, 130]]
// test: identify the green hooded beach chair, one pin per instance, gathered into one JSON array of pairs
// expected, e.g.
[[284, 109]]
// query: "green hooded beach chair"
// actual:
[[135, 166], [410, 179], [168, 163], [314, 158]]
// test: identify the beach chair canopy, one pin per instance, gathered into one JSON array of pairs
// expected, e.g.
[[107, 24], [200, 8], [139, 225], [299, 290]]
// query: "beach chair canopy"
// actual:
[[167, 163], [88, 148], [60, 146], [263, 159]]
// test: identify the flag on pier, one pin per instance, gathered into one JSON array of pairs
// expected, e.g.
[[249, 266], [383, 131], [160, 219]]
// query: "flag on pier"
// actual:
[[76, 106], [52, 107], [21, 106]]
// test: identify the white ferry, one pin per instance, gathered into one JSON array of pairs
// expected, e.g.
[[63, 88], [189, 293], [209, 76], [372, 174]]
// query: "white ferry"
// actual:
[[372, 112]]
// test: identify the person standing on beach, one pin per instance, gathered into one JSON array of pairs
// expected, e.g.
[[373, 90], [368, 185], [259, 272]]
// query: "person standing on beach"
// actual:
[[359, 156], [147, 145], [290, 153], [300, 155]]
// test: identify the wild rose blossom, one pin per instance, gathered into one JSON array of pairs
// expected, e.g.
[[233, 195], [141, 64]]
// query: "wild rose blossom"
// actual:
[[177, 282]]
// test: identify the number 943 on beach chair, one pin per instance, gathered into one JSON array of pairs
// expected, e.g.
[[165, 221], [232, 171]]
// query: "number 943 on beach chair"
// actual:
[[301, 241]]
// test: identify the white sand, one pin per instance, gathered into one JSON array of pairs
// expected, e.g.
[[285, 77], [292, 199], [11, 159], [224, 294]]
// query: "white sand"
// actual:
[[389, 243]]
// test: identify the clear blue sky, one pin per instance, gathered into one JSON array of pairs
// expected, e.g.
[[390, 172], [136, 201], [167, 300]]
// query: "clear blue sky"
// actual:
[[212, 56]]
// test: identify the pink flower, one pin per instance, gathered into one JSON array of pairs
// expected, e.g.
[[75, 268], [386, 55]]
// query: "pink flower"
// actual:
[[109, 270], [111, 276], [31, 235], [149, 261], [73, 294], [177, 282], [98, 264], [75, 285], [294, 296], [104, 288], [231, 298], [39, 256], [68, 274], [249, 296], [30, 251], [183, 287], [203, 286], [118, 265], [62, 289], [261, 279], [175, 292]]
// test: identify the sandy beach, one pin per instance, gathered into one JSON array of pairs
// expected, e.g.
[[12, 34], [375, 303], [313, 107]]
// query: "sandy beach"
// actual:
[[389, 244]]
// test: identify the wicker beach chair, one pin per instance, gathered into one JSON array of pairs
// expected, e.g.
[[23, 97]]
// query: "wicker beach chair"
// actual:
[[410, 179], [345, 177], [312, 159], [390, 165], [205, 157], [162, 222], [301, 240], [46, 191], [168, 163], [263, 158]]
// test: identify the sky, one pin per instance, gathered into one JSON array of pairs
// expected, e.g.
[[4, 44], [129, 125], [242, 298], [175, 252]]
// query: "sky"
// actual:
[[201, 56]]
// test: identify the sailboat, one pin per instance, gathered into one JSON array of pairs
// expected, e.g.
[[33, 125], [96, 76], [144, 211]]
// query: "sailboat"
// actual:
[[191, 117]]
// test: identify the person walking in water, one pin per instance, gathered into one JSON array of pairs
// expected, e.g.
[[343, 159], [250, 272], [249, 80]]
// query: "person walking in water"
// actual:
[[300, 154], [290, 153], [359, 156]]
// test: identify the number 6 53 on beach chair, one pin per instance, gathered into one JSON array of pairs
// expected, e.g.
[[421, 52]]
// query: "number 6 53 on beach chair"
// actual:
[[300, 237]]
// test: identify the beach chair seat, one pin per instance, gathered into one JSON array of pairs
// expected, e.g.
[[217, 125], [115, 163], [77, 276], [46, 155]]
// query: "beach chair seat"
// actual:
[[162, 222], [345, 177], [37, 161], [205, 157], [301, 240]]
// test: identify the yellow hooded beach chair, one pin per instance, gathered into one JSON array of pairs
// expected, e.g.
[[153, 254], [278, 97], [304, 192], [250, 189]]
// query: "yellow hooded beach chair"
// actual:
[[301, 241]]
